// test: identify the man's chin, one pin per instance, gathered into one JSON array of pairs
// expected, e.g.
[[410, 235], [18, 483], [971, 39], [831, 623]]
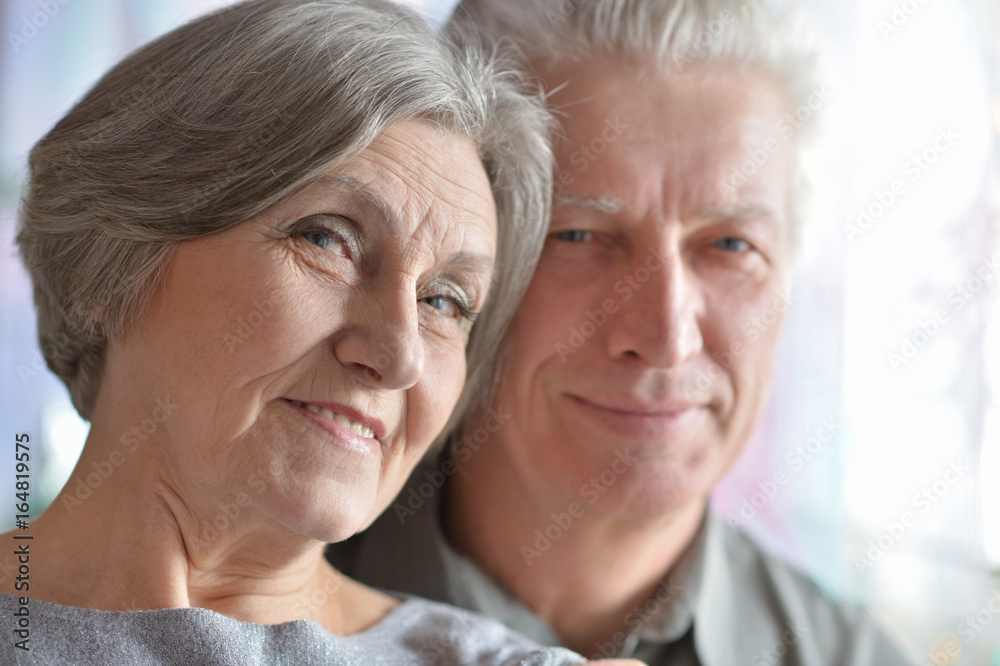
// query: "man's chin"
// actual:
[[647, 494]]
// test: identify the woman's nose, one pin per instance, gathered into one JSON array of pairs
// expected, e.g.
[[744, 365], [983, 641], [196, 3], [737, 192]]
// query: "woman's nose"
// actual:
[[382, 345]]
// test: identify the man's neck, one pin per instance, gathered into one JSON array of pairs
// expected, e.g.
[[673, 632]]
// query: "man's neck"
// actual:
[[581, 575]]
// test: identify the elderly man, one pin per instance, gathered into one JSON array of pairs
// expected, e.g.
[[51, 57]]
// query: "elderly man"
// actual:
[[572, 504]]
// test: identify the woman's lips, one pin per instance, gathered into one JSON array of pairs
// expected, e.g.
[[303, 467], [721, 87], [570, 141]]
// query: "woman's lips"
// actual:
[[666, 420], [342, 427]]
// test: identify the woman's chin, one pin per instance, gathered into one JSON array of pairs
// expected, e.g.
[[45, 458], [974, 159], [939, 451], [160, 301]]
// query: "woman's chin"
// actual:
[[337, 521]]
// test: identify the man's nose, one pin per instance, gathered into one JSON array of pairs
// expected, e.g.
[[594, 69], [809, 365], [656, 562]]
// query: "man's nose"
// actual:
[[660, 323]]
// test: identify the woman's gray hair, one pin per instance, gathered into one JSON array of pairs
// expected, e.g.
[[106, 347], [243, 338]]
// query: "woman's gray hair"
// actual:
[[216, 121], [673, 35]]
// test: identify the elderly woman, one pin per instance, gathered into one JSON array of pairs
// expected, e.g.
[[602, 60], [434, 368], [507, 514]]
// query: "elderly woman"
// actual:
[[263, 254]]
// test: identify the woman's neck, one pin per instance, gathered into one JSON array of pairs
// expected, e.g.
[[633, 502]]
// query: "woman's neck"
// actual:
[[134, 539]]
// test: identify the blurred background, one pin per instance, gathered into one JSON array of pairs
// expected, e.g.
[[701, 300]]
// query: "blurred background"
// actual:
[[877, 466]]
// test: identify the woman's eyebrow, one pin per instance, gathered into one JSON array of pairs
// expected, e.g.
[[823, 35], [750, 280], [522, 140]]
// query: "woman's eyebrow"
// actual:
[[370, 196], [473, 261], [476, 261]]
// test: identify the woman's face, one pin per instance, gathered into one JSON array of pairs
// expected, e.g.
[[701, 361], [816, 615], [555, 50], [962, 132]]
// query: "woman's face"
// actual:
[[314, 351]]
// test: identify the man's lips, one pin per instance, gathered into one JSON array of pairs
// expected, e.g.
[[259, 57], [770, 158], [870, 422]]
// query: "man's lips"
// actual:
[[666, 418]]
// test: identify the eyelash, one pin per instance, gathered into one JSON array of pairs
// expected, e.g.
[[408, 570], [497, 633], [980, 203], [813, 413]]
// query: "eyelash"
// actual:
[[562, 235], [577, 236], [310, 225], [464, 311], [745, 244], [307, 226]]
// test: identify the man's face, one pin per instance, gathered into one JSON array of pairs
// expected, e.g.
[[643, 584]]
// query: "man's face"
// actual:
[[641, 356]]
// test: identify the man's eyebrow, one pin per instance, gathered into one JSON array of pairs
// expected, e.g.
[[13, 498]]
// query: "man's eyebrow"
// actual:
[[608, 205], [382, 209]]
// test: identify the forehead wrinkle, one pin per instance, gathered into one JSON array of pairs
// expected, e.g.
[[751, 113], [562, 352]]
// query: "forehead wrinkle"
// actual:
[[435, 197], [478, 266], [382, 208], [607, 204], [447, 191], [420, 258], [464, 185], [737, 212], [470, 260]]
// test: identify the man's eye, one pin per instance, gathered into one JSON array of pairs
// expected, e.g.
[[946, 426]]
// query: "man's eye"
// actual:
[[732, 244], [574, 236]]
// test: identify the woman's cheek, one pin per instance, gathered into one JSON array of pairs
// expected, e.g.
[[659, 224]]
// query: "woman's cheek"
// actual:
[[431, 401]]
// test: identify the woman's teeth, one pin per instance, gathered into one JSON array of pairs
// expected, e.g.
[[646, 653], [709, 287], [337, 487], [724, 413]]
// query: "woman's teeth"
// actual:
[[357, 428]]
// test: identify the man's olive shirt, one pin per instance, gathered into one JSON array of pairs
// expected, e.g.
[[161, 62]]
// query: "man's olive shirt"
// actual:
[[726, 602]]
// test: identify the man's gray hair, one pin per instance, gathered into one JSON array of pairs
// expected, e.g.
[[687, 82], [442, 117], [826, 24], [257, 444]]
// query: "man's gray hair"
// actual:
[[673, 35], [216, 121]]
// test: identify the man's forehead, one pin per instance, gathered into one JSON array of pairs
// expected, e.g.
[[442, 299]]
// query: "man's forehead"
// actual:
[[628, 103], [607, 204], [610, 205], [628, 151]]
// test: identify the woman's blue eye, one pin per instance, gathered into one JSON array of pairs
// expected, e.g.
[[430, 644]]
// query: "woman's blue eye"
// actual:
[[574, 235], [441, 303], [732, 244], [322, 237], [317, 237], [450, 307]]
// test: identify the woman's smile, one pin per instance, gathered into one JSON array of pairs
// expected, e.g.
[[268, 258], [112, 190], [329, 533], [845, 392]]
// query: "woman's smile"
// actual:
[[356, 435]]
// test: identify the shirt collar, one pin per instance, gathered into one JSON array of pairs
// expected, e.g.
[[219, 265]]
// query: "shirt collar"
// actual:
[[433, 569], [669, 612]]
